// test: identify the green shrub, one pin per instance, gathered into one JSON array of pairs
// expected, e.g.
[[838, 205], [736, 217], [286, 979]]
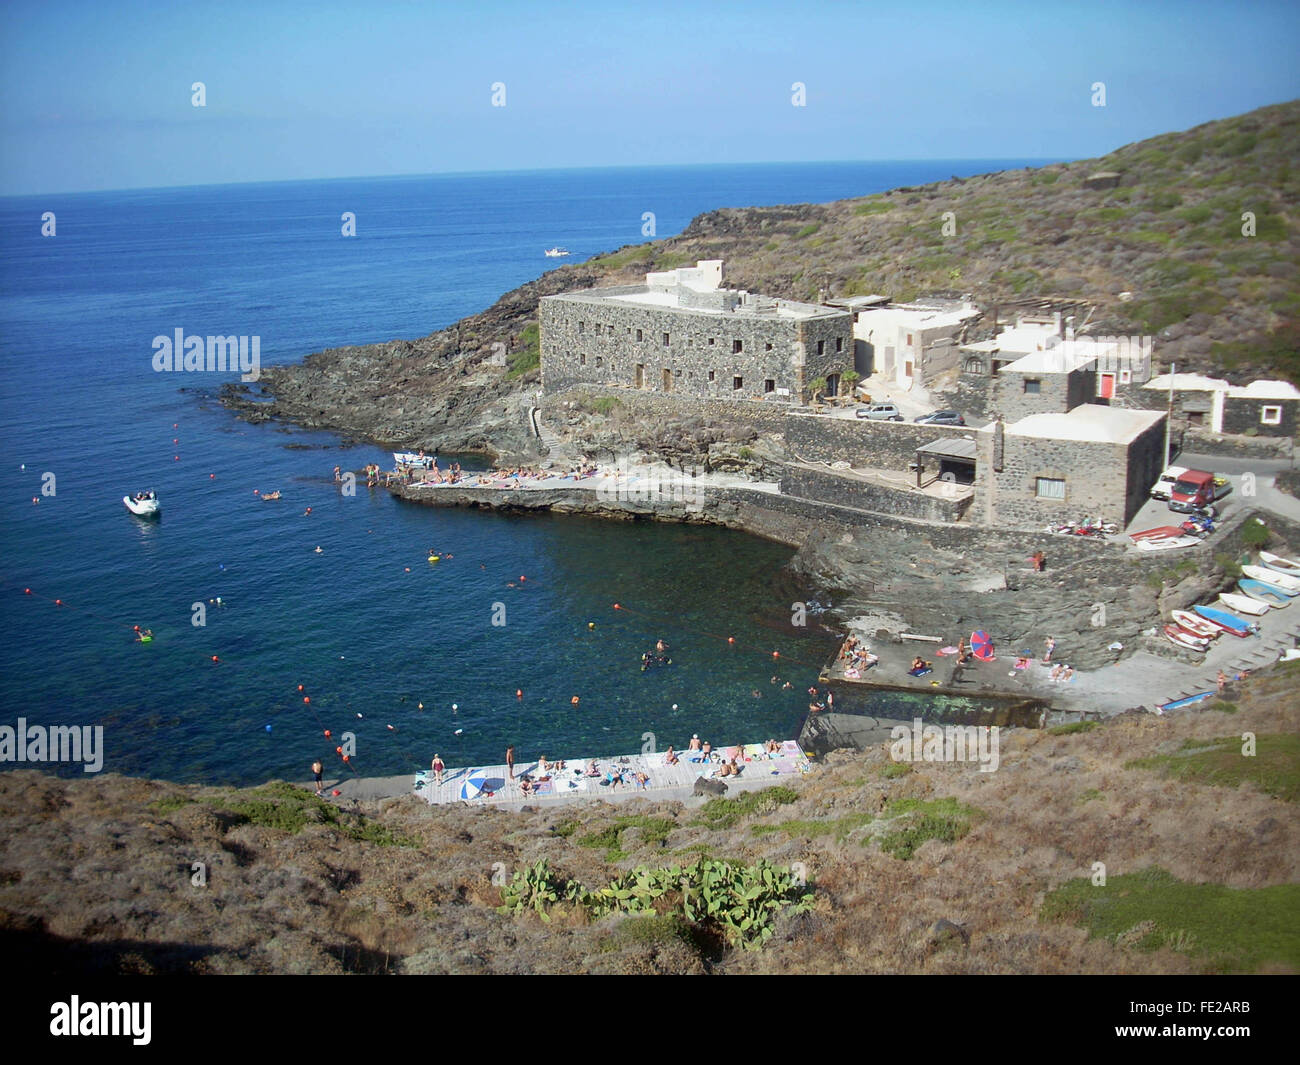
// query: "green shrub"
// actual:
[[925, 819], [808, 230], [529, 355], [727, 813], [1072, 728]]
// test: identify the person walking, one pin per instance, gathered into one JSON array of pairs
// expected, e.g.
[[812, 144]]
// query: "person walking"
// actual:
[[1050, 644], [510, 763], [317, 772], [438, 767]]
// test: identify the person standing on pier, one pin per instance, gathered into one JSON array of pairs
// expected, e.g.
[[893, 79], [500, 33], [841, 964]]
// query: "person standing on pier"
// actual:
[[510, 763], [1050, 644]]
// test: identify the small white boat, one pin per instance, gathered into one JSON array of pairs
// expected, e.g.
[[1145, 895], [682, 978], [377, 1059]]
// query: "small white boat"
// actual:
[[1282, 565], [143, 504], [1265, 593], [556, 253], [1272, 576], [1243, 604], [1165, 543], [1181, 638], [1195, 624], [410, 458]]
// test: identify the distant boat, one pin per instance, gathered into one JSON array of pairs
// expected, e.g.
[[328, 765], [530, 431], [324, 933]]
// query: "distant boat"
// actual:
[[1165, 543], [143, 504], [1226, 621], [1272, 594], [556, 253], [410, 458]]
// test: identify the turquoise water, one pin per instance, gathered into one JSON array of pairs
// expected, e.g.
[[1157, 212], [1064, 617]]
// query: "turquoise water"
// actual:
[[78, 313]]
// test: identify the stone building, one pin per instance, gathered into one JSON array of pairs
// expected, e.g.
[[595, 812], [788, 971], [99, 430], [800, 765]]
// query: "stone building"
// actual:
[[1091, 461], [908, 343], [1262, 408], [684, 332]]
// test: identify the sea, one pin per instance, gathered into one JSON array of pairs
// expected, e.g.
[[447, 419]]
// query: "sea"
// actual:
[[275, 622]]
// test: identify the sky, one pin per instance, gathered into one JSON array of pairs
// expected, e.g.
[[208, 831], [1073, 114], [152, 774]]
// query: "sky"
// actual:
[[98, 95]]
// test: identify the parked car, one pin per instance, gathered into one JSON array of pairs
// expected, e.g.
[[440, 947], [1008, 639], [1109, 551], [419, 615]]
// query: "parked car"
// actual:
[[1165, 483], [880, 412], [1194, 491], [940, 417]]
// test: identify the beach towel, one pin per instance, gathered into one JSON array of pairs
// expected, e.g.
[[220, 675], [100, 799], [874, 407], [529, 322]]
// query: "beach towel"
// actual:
[[946, 651], [920, 672]]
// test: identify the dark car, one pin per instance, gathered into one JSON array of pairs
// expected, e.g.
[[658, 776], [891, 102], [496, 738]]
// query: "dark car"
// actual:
[[942, 417]]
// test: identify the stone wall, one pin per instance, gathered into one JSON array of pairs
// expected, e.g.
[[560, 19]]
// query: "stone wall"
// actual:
[[1240, 415], [1057, 392], [850, 491], [591, 340], [1095, 476]]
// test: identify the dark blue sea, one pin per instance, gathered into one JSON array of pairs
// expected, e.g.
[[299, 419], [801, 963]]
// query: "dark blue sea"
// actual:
[[399, 651]]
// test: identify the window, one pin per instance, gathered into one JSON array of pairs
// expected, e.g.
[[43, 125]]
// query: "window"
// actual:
[[600, 362], [839, 343], [1271, 415], [1126, 377], [582, 327], [597, 329], [821, 347], [638, 335], [767, 346], [909, 340], [665, 340], [711, 340], [769, 385], [710, 375], [1033, 386], [737, 383], [1050, 488], [737, 346], [582, 359]]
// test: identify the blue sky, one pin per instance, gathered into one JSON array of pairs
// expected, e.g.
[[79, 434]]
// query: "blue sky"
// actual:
[[97, 95]]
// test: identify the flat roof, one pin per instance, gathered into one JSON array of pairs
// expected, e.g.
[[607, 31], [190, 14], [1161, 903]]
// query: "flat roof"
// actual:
[[644, 296], [1060, 359], [1089, 423], [952, 448], [1195, 382]]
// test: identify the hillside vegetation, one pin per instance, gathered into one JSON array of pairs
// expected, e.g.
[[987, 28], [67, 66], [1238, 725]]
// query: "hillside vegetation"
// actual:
[[865, 865], [1169, 237]]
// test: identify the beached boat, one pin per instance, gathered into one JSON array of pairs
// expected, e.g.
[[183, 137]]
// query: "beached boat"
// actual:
[[1182, 638], [1197, 626], [1291, 585], [1166, 543], [1264, 592], [143, 504], [1187, 700], [1158, 533], [1227, 621], [1282, 565], [1243, 604], [410, 458]]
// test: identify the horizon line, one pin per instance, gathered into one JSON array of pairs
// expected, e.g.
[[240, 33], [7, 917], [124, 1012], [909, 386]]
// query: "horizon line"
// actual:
[[1044, 160]]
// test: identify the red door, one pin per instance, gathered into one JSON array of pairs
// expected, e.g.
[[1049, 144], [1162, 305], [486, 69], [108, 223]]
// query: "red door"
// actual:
[[1107, 385]]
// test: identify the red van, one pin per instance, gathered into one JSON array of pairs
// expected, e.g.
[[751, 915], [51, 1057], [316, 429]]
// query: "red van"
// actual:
[[1193, 489]]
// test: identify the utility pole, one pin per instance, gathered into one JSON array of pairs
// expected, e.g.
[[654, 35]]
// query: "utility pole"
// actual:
[[1169, 413]]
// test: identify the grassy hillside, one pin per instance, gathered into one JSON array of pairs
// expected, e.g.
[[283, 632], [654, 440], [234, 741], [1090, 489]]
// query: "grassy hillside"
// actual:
[[903, 868]]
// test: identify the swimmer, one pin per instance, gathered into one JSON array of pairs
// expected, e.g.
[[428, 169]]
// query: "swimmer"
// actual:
[[306, 512], [318, 550]]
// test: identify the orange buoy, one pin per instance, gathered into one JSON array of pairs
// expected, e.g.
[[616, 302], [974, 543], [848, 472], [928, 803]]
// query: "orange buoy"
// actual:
[[215, 658], [519, 693], [731, 639], [390, 728], [212, 477], [335, 791], [776, 654], [27, 591], [327, 733], [338, 750], [300, 687], [347, 758], [306, 698], [58, 602], [574, 700], [617, 607]]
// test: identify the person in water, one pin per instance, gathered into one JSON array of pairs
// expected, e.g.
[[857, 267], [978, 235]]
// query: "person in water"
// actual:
[[660, 646]]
